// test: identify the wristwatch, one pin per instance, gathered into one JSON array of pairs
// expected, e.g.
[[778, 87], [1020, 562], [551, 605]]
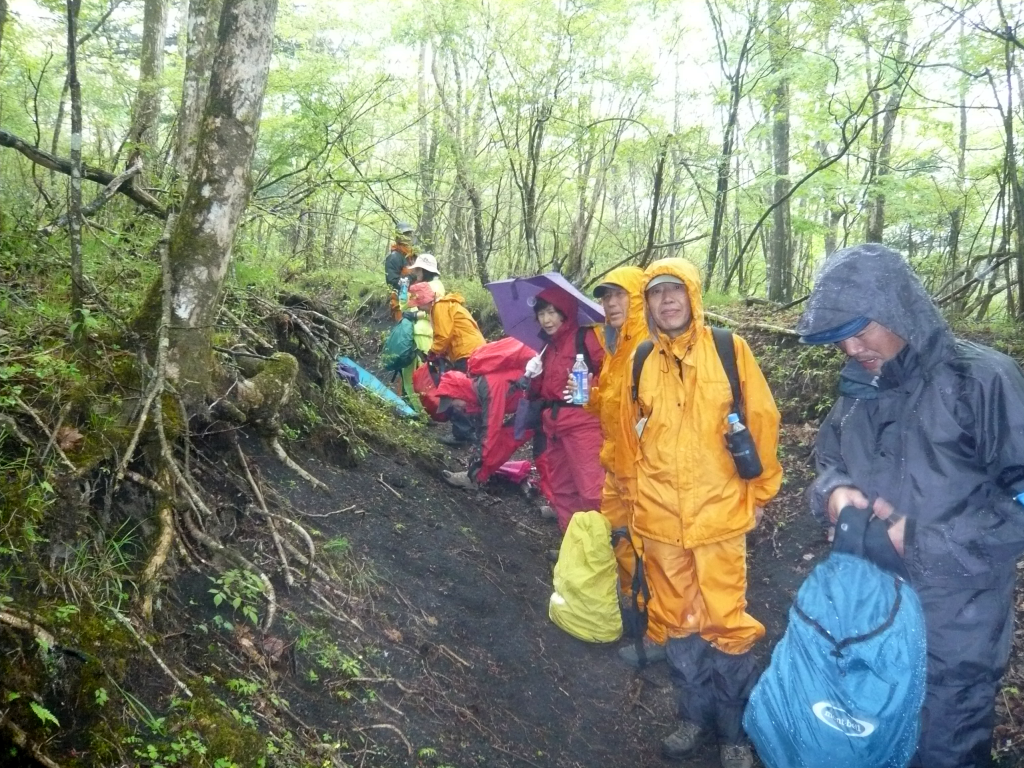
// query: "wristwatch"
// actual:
[[893, 520]]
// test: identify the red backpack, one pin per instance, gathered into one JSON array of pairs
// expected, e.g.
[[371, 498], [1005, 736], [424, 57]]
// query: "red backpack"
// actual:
[[506, 355]]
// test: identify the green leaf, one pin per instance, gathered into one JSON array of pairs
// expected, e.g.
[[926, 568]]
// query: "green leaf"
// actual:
[[43, 713]]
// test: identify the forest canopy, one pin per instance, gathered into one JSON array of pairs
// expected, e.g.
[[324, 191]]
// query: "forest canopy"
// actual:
[[753, 137]]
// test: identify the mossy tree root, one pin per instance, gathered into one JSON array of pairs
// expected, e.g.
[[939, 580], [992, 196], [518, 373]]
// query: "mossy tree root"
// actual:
[[165, 541]]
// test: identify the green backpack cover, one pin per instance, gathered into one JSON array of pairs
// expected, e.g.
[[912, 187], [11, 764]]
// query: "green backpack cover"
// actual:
[[585, 602], [400, 348]]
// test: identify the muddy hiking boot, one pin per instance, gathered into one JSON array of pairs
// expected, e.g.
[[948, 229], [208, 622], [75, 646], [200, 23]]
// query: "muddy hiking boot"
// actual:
[[453, 441], [735, 756], [652, 650], [459, 480], [686, 740], [552, 556]]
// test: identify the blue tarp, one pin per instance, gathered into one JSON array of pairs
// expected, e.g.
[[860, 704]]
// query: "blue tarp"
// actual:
[[371, 383]]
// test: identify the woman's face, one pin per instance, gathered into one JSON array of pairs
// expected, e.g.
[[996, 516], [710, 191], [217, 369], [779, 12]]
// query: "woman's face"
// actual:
[[550, 319], [417, 274]]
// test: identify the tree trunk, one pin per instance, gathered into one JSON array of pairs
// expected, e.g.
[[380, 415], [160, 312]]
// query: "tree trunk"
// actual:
[[882, 151], [428, 139], [144, 134], [217, 193], [75, 197], [3, 21], [203, 16], [780, 273]]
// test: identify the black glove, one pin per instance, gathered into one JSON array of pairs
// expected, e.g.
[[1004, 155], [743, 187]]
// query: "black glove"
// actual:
[[410, 316]]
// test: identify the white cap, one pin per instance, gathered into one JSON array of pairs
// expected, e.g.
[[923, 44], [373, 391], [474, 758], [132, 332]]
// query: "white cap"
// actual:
[[659, 279], [426, 261]]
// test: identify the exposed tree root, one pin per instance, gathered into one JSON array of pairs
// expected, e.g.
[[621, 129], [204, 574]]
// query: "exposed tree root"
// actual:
[[158, 558], [238, 559], [126, 622], [289, 462], [44, 638], [20, 739], [46, 431]]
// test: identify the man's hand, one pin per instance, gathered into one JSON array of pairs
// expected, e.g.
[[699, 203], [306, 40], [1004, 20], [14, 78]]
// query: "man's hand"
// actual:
[[845, 496], [883, 510]]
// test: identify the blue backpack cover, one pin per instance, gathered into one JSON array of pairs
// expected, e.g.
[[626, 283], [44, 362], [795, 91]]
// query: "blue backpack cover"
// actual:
[[846, 682]]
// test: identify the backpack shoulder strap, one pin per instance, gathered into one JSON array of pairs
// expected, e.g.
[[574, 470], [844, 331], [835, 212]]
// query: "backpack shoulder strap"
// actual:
[[643, 351], [581, 347], [727, 354]]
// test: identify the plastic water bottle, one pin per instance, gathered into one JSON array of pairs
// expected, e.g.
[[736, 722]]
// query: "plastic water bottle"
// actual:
[[403, 289], [741, 445], [580, 375]]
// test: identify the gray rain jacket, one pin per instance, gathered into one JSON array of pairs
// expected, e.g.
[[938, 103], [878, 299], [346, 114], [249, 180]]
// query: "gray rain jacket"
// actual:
[[939, 433]]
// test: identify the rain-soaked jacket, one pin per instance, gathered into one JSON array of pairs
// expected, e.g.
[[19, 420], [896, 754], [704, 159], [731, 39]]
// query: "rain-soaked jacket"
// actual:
[[939, 433], [678, 473], [560, 353], [619, 345], [456, 333]]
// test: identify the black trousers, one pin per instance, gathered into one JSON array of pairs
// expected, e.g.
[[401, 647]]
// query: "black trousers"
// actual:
[[970, 632], [712, 687]]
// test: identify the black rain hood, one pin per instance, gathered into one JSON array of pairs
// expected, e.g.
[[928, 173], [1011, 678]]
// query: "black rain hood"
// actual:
[[939, 434], [873, 281]]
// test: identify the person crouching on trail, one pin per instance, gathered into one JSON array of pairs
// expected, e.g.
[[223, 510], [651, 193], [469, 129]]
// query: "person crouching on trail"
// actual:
[[422, 270], [625, 326], [692, 510], [568, 444], [398, 263], [456, 335]]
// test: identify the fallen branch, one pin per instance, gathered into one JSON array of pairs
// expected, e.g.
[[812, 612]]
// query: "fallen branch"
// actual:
[[248, 332], [63, 165], [108, 192], [46, 431], [740, 325], [145, 644], [381, 481], [289, 462]]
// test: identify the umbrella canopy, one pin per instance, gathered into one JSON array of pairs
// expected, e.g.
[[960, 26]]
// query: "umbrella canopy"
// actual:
[[514, 300]]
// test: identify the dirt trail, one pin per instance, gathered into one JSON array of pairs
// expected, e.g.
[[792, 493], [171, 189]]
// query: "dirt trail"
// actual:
[[461, 621]]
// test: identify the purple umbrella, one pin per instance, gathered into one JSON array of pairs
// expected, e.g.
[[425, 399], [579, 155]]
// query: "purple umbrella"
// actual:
[[514, 300]]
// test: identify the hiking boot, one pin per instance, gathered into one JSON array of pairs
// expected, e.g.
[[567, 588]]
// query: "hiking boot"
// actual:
[[654, 652], [453, 441], [548, 513], [552, 555], [459, 480], [735, 756], [686, 739]]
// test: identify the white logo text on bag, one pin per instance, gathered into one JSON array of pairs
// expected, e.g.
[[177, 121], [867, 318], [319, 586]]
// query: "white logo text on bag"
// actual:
[[841, 720]]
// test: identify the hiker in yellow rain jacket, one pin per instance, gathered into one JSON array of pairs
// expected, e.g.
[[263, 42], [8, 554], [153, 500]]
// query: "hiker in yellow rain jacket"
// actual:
[[456, 336], [692, 510], [625, 326]]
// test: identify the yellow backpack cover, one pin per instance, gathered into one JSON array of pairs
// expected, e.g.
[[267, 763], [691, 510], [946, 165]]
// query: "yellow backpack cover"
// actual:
[[585, 603]]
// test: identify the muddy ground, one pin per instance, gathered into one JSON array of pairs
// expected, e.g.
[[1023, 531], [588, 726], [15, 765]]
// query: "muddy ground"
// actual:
[[469, 671]]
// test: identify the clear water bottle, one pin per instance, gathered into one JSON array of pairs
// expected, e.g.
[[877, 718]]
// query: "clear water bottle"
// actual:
[[403, 289], [741, 445], [580, 376]]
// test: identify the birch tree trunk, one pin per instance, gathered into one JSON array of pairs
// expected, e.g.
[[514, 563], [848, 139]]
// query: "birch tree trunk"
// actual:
[[218, 190], [780, 278], [75, 196], [144, 134], [203, 16]]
